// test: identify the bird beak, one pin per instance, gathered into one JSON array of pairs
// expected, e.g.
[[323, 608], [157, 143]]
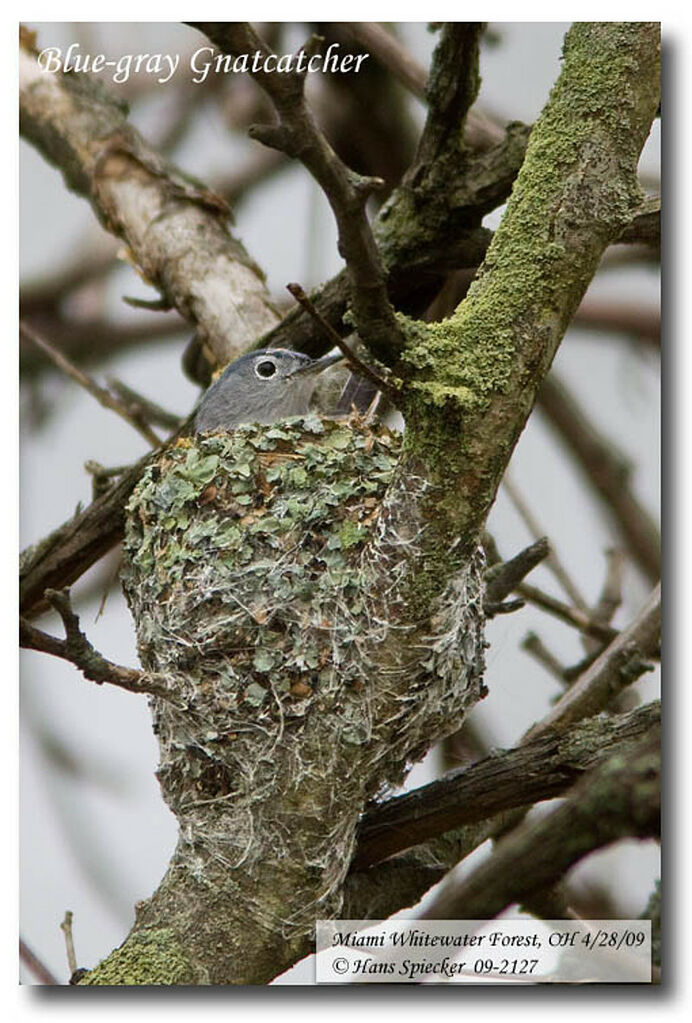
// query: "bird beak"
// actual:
[[319, 365]]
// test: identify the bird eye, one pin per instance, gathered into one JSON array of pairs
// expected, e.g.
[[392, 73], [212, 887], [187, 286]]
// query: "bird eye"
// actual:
[[265, 369]]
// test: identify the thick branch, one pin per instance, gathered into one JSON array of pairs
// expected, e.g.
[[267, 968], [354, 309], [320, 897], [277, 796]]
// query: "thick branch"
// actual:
[[540, 769], [476, 375], [621, 799], [175, 229]]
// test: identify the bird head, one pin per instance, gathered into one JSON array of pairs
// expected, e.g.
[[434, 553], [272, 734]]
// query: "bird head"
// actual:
[[261, 387]]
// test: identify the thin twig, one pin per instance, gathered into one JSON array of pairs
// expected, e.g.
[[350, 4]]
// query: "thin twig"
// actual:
[[570, 615], [77, 649], [297, 135], [66, 928], [357, 365], [102, 395], [620, 664], [149, 410], [388, 50], [33, 963], [610, 597], [92, 338], [536, 530], [534, 645]]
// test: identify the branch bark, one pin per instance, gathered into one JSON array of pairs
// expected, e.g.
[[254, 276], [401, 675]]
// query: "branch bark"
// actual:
[[542, 768], [176, 230], [621, 799]]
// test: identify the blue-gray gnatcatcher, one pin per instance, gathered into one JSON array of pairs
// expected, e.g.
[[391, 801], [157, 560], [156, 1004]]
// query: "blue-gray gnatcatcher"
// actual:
[[261, 387]]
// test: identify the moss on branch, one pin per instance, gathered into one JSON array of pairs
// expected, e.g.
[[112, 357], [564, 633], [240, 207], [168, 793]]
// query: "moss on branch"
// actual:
[[473, 377]]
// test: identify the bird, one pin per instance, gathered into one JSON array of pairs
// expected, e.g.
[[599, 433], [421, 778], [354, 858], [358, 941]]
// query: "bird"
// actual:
[[261, 387]]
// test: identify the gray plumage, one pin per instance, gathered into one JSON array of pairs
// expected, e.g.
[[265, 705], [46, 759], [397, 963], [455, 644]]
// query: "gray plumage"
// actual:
[[261, 387]]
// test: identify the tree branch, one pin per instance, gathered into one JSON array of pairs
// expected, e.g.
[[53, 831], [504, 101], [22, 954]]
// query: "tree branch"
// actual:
[[476, 374], [621, 799], [501, 579], [607, 470], [176, 230], [347, 192], [130, 414], [77, 649], [539, 769], [620, 664], [587, 624], [66, 553]]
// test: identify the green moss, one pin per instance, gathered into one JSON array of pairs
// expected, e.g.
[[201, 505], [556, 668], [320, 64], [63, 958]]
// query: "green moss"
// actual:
[[146, 958], [574, 192]]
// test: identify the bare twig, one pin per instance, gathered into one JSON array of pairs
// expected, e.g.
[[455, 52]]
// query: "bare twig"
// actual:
[[502, 579], [388, 50], [33, 963], [102, 395], [537, 770], [607, 470], [611, 594], [356, 364], [77, 649], [533, 645], [66, 928], [610, 597], [552, 559], [91, 339], [297, 135], [570, 615], [149, 410], [620, 664]]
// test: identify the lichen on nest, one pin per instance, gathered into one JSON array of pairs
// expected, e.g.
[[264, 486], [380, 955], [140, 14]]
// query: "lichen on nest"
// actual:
[[237, 544], [268, 572]]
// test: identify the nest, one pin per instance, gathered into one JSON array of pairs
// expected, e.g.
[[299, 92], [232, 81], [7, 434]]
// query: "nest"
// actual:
[[267, 570]]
